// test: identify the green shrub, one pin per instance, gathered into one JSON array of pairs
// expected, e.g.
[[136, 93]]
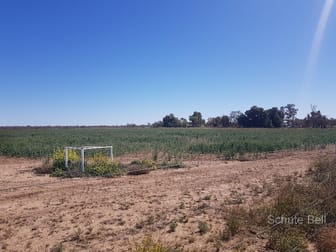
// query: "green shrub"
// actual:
[[136, 162], [97, 165], [172, 227], [100, 165], [149, 163], [58, 173], [203, 227], [146, 163], [59, 159]]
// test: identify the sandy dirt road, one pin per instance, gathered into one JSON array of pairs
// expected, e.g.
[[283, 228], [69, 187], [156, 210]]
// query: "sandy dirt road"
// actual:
[[38, 213]]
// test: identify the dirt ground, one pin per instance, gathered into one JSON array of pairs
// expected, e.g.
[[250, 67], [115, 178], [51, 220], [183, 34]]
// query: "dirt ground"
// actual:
[[41, 213]]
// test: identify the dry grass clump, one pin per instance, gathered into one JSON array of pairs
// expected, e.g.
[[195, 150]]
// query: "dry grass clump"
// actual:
[[326, 239], [288, 240], [235, 218], [57, 248], [139, 167], [306, 210], [149, 245], [203, 227]]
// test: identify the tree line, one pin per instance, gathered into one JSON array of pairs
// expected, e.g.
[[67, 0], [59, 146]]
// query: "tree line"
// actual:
[[255, 117]]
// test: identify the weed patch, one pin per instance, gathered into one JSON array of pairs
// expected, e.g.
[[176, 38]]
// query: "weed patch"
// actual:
[[203, 227], [149, 245]]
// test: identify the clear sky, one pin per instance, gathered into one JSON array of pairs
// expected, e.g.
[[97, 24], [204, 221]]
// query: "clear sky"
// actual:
[[77, 62]]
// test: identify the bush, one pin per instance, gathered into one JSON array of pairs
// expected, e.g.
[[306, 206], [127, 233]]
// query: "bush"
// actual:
[[59, 159], [203, 227], [172, 227], [234, 225], [100, 165], [58, 173], [292, 200], [149, 163], [97, 165], [235, 219], [149, 245], [146, 163], [324, 170], [290, 240]]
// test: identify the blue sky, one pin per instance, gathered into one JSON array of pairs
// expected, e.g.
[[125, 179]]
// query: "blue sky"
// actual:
[[77, 62]]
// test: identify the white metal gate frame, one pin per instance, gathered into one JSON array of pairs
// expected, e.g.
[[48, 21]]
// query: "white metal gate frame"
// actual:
[[82, 150]]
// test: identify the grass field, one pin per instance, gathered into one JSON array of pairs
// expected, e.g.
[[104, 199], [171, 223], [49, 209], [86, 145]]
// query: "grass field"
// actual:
[[41, 142], [211, 205]]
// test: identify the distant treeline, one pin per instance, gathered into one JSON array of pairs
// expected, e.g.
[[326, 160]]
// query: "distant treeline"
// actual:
[[255, 117]]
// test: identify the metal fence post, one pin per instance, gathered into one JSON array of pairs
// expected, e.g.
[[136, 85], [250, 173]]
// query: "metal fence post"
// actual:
[[111, 152], [66, 157], [82, 160]]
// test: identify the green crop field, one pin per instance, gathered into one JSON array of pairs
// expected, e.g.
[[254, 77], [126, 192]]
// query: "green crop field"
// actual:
[[41, 142]]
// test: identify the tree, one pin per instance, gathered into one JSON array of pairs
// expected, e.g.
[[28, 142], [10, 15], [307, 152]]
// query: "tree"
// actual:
[[316, 119], [289, 112], [275, 117], [234, 115], [332, 122], [157, 124], [171, 121], [218, 122], [244, 121], [213, 122], [225, 120], [184, 123], [257, 117], [196, 119]]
